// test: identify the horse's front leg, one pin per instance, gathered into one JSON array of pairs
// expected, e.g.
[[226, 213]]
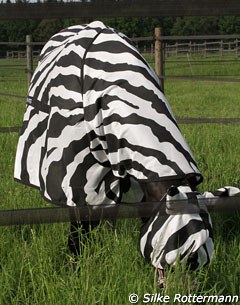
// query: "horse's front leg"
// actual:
[[78, 234]]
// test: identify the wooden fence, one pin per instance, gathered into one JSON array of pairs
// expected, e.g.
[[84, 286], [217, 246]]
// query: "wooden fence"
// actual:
[[20, 54], [125, 8], [206, 48], [160, 47], [164, 49]]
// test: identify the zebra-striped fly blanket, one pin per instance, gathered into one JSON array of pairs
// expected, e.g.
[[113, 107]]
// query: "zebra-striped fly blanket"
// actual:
[[96, 123], [96, 116]]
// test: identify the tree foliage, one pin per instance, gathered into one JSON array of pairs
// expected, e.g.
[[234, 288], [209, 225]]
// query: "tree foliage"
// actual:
[[42, 30], [196, 26]]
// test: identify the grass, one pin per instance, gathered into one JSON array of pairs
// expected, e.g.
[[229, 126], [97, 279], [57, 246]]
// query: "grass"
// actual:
[[34, 262], [219, 67], [213, 99]]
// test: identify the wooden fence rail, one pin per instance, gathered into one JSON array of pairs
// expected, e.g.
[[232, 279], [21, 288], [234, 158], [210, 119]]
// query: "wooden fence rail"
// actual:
[[180, 120], [205, 48], [20, 54], [163, 47], [123, 8], [30, 216]]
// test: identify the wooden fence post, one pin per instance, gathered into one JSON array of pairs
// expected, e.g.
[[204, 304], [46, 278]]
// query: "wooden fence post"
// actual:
[[29, 55], [221, 48], [236, 45], [205, 48], [159, 57], [176, 51], [190, 48]]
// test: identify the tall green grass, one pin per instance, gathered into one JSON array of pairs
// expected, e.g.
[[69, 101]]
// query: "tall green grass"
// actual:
[[34, 261]]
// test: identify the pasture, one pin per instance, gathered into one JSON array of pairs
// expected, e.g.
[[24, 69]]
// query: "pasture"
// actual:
[[34, 262]]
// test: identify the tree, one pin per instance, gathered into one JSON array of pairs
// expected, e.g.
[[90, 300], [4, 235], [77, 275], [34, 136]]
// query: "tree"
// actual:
[[229, 25], [17, 30], [195, 26], [46, 28]]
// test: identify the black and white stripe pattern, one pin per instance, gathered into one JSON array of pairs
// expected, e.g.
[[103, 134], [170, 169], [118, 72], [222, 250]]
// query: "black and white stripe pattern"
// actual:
[[167, 238], [95, 117]]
